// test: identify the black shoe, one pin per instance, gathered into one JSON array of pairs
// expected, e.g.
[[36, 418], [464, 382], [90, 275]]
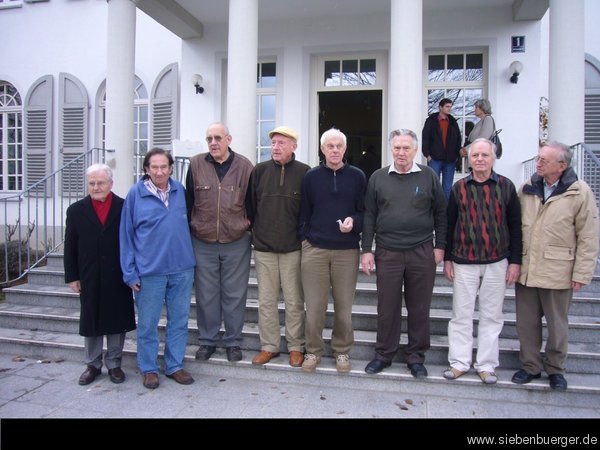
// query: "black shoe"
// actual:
[[417, 370], [558, 382], [377, 365], [89, 375], [116, 375], [204, 352], [521, 376], [234, 354]]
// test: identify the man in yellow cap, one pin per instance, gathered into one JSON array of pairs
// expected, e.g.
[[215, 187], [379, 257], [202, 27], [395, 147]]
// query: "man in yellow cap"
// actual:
[[273, 205]]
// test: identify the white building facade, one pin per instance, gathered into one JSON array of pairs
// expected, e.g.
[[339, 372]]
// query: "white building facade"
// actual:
[[121, 74]]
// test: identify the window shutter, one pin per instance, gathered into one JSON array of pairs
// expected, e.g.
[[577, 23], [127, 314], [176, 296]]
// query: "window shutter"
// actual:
[[73, 130], [38, 132], [164, 110]]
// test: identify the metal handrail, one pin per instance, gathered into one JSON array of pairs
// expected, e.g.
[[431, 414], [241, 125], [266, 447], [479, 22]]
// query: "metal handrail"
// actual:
[[40, 213]]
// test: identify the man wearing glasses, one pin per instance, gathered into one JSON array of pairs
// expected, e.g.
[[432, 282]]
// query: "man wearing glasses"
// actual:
[[560, 245], [216, 187]]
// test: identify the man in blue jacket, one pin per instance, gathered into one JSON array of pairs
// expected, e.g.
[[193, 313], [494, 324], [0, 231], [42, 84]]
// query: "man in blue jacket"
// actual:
[[158, 264]]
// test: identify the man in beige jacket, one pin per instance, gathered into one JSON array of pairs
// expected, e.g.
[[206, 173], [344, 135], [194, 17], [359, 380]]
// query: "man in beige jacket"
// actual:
[[560, 246]]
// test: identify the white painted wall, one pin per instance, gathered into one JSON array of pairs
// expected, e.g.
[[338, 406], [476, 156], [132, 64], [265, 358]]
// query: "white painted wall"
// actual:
[[592, 30]]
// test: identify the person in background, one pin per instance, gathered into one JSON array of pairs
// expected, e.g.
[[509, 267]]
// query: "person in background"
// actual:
[[92, 269], [441, 144], [273, 205], [405, 211], [158, 264], [483, 254], [331, 219], [484, 128], [216, 183], [560, 247]]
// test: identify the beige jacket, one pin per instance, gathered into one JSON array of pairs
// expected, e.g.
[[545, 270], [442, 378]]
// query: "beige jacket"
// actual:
[[560, 236]]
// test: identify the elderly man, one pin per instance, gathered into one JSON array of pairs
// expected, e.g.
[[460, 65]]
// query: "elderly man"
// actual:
[[331, 218], [560, 246], [216, 189], [91, 258], [483, 254], [158, 264], [273, 205], [405, 206]]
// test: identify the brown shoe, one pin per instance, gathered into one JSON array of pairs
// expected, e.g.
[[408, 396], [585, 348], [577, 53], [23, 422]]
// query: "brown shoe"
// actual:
[[116, 375], [296, 358], [151, 380], [264, 357], [181, 376], [89, 375]]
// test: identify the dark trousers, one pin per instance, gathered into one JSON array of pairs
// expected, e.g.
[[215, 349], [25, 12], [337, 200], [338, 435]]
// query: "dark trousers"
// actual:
[[415, 269]]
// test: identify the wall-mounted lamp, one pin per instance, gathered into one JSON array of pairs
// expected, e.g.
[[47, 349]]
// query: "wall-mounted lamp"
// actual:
[[197, 82], [516, 67]]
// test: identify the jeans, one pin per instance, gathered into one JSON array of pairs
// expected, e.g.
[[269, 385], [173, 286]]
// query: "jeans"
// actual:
[[446, 169], [175, 291]]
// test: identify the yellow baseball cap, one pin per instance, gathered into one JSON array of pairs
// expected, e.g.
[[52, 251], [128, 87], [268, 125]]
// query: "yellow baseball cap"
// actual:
[[286, 131]]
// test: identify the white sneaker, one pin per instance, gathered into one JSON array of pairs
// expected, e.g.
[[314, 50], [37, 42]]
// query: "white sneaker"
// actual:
[[310, 362], [342, 363]]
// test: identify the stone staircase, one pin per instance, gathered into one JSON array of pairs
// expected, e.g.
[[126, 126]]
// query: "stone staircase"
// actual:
[[40, 319]]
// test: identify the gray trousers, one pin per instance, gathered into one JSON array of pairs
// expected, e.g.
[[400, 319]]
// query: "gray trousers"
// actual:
[[221, 285], [114, 350]]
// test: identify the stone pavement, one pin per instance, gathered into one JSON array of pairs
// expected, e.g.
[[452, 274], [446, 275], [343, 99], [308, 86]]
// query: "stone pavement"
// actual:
[[34, 389]]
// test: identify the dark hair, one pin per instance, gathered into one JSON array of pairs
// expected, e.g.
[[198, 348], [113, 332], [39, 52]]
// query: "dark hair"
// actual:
[[445, 101], [157, 151]]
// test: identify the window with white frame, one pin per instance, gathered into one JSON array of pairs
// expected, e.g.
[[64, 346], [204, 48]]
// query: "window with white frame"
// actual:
[[350, 72], [266, 102], [459, 76], [140, 124], [11, 138]]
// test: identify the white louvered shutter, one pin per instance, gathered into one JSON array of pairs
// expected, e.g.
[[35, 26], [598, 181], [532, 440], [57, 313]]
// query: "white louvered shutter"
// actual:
[[164, 105], [38, 133], [73, 132]]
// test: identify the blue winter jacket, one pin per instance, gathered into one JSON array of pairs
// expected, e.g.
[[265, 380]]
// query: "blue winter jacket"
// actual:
[[155, 240]]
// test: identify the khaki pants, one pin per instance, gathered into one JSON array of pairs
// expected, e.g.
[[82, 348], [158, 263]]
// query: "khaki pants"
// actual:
[[275, 272], [323, 270], [532, 305]]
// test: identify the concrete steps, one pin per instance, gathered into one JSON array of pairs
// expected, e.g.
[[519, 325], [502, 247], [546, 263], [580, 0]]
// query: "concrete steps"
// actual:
[[40, 319]]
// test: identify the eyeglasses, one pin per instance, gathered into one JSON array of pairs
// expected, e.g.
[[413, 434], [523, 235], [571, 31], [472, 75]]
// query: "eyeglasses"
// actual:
[[209, 139], [545, 162]]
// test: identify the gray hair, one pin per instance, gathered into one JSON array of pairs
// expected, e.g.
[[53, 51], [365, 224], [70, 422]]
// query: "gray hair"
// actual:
[[486, 141], [100, 168], [484, 105], [565, 154], [333, 133], [405, 132]]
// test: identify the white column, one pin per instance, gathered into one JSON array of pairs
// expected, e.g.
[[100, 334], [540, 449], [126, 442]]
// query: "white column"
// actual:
[[406, 68], [119, 91], [567, 75], [241, 76]]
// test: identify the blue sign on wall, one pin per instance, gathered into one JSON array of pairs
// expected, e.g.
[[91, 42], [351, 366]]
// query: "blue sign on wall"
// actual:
[[518, 44]]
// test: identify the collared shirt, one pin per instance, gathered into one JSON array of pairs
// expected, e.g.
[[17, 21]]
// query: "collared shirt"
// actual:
[[221, 168], [549, 188], [414, 168], [162, 194]]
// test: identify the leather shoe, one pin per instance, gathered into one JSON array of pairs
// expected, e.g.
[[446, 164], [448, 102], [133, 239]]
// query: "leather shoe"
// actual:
[[558, 382], [264, 357], [296, 358], [181, 376], [377, 365], [204, 352], [116, 375], [151, 380], [89, 375], [417, 370], [523, 377], [234, 354]]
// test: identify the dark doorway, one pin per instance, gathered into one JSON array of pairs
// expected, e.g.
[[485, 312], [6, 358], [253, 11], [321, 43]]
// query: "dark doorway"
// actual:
[[358, 114]]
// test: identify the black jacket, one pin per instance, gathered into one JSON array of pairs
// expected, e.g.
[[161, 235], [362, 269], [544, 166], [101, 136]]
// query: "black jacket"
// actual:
[[432, 144]]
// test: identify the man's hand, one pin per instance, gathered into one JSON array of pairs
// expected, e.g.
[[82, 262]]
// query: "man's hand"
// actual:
[[367, 262]]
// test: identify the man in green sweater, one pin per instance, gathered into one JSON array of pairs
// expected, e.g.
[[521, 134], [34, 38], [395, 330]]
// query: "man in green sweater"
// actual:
[[405, 210], [273, 205]]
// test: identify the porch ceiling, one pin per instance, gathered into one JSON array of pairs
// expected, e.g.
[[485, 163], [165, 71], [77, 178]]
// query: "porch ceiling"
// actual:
[[186, 18]]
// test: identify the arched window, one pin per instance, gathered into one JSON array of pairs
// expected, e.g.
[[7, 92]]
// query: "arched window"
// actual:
[[11, 138]]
